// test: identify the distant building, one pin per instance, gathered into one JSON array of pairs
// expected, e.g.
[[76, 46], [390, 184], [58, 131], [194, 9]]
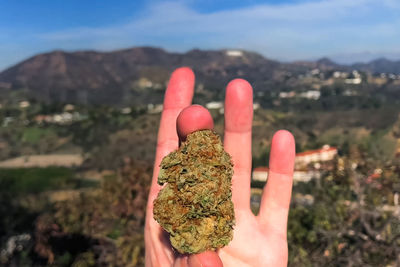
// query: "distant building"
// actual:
[[61, 118], [339, 74], [154, 109], [24, 104], [144, 83], [311, 94], [305, 176], [356, 78], [315, 72], [326, 153], [287, 94], [214, 105], [256, 106], [126, 110], [353, 81], [69, 107], [260, 174]]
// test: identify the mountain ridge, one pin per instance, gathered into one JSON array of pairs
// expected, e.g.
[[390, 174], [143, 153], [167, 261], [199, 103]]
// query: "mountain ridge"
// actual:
[[94, 77]]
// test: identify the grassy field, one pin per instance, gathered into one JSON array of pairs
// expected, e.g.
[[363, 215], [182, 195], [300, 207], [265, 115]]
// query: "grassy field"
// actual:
[[34, 134], [36, 180]]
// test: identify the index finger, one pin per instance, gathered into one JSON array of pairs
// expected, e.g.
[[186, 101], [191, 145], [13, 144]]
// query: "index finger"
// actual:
[[178, 95]]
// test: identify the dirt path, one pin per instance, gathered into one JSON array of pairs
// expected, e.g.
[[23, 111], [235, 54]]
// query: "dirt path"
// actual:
[[67, 160]]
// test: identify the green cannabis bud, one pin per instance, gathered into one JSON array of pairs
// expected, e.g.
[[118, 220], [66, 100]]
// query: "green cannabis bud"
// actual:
[[195, 206]]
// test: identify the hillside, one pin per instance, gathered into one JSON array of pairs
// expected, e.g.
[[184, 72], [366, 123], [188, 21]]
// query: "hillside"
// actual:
[[107, 78], [323, 64], [379, 65], [138, 75]]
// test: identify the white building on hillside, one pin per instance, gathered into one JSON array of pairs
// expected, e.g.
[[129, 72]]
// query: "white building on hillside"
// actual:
[[215, 105], [326, 153], [260, 174]]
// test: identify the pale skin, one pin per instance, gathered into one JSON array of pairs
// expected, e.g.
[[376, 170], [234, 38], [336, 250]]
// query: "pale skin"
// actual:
[[258, 240]]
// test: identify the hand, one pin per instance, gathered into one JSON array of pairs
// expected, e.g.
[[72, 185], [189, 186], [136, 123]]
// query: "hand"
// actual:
[[258, 240]]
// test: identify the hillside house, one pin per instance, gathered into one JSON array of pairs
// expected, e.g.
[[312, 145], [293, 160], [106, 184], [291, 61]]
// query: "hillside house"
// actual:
[[311, 94], [326, 153], [261, 174], [154, 108], [301, 174], [24, 104], [215, 105]]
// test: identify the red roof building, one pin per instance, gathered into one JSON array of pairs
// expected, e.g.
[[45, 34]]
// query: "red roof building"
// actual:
[[261, 174], [326, 153]]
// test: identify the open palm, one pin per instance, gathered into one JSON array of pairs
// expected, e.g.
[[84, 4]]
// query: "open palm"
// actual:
[[258, 240]]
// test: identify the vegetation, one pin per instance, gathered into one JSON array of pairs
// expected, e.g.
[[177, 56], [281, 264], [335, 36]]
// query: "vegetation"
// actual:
[[35, 180], [108, 223], [350, 221]]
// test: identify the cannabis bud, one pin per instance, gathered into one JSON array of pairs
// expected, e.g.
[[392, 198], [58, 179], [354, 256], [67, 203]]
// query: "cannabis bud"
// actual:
[[195, 206]]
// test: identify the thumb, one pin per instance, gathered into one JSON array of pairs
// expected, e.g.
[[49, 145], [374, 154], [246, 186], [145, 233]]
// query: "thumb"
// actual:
[[205, 259]]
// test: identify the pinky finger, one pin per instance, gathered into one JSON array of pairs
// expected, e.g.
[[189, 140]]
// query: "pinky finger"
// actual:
[[276, 196]]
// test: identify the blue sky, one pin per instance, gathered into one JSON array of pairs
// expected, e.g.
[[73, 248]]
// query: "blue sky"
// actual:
[[346, 30]]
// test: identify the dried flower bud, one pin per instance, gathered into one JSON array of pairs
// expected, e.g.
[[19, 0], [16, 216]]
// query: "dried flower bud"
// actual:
[[195, 206]]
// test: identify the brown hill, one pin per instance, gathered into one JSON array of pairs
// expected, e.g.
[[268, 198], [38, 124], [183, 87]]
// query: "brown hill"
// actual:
[[380, 65], [113, 77], [136, 75], [324, 64]]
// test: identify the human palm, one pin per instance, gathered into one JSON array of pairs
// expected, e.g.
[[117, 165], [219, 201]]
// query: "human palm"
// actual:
[[258, 240]]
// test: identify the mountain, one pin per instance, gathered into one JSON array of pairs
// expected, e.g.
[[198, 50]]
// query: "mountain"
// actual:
[[136, 75], [324, 64], [110, 78], [379, 65], [363, 57]]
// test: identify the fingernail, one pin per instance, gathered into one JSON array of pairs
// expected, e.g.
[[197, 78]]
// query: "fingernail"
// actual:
[[205, 259], [194, 261]]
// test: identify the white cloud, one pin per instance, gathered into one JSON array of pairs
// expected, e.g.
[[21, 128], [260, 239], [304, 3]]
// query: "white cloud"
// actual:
[[286, 31], [161, 16]]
